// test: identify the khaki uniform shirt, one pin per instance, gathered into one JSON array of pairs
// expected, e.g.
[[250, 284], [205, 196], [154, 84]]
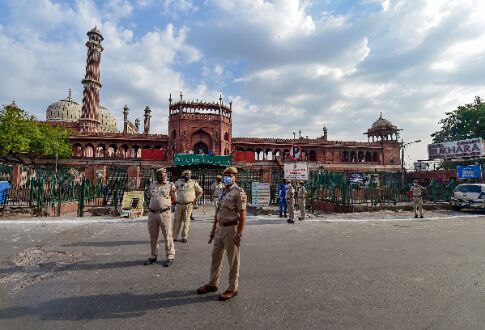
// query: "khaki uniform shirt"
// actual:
[[290, 194], [161, 195], [417, 190], [232, 201], [217, 188], [301, 192], [187, 190]]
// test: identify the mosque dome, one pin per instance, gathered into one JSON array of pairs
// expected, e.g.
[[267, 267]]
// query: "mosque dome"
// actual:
[[382, 123], [67, 110], [107, 122]]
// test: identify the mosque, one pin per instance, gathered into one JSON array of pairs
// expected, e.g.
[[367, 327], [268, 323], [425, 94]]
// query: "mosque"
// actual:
[[200, 127]]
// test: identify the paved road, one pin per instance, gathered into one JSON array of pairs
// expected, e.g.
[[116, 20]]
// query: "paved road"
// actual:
[[363, 271]]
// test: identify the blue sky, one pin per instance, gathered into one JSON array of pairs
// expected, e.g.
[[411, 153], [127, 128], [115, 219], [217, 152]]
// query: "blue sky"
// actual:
[[286, 65]]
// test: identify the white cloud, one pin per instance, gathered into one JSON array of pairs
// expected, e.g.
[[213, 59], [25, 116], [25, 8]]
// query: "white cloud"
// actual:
[[176, 7], [286, 67], [285, 18]]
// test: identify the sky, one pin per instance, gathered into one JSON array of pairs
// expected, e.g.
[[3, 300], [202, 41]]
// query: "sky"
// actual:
[[286, 65]]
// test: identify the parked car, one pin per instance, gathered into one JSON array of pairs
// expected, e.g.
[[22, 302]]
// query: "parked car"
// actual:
[[468, 195]]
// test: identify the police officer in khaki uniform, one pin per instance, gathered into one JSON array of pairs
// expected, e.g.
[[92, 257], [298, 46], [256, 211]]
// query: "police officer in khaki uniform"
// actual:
[[227, 232], [162, 195], [290, 197], [216, 190], [417, 190], [301, 192], [187, 193]]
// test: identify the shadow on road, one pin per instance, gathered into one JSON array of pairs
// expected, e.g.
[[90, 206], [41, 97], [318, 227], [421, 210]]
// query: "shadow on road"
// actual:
[[53, 266], [107, 265], [107, 244], [124, 305]]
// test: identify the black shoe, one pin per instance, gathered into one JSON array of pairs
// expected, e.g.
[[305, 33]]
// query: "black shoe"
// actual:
[[281, 215], [300, 219], [168, 262], [286, 216], [415, 215], [175, 240], [290, 221], [191, 217], [150, 261], [422, 216], [184, 240]]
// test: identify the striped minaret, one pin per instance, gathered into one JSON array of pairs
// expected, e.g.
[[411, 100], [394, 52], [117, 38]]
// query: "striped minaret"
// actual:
[[89, 118]]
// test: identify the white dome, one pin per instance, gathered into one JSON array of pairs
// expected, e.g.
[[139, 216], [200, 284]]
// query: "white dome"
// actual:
[[64, 110], [107, 122]]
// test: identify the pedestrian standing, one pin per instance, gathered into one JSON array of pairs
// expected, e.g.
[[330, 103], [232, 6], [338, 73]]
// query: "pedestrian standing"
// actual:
[[162, 196], [417, 191], [282, 203], [227, 231], [216, 189], [290, 200], [301, 192], [187, 193]]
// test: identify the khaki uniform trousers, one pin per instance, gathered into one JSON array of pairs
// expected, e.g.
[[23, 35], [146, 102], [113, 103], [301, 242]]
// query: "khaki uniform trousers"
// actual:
[[418, 205], [161, 221], [182, 220], [224, 242], [301, 205], [291, 208]]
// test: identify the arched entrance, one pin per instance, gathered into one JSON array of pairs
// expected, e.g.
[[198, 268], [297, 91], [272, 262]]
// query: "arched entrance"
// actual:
[[201, 141], [201, 148]]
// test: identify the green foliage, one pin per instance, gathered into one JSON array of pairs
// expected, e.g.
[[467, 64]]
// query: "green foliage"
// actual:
[[22, 136], [465, 122]]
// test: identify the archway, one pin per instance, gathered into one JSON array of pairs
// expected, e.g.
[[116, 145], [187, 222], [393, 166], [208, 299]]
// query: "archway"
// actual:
[[201, 148], [312, 156], [77, 150], [202, 140], [89, 151]]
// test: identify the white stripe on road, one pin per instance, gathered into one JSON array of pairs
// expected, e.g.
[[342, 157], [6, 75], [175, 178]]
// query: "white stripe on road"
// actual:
[[252, 218]]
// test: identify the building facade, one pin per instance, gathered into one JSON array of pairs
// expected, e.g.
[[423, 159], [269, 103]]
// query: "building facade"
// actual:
[[200, 127]]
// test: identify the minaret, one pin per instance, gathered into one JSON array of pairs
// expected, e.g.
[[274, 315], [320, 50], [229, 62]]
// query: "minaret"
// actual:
[[125, 119], [146, 123], [89, 117]]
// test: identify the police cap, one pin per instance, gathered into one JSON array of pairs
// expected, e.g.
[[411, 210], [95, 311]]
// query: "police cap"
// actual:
[[219, 177], [161, 170], [230, 170]]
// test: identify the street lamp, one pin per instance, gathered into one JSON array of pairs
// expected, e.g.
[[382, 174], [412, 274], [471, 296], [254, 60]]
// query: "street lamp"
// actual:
[[404, 146]]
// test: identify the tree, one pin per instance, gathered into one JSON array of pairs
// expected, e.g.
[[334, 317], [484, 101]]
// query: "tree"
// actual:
[[22, 137], [465, 122]]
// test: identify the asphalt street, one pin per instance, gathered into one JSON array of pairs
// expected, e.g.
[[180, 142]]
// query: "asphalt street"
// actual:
[[358, 271]]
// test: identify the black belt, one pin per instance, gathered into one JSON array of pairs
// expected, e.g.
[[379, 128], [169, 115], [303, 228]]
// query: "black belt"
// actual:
[[161, 210], [184, 203], [230, 223]]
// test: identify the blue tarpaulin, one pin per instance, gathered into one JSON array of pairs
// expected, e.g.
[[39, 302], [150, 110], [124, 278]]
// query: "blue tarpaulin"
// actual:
[[4, 186]]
